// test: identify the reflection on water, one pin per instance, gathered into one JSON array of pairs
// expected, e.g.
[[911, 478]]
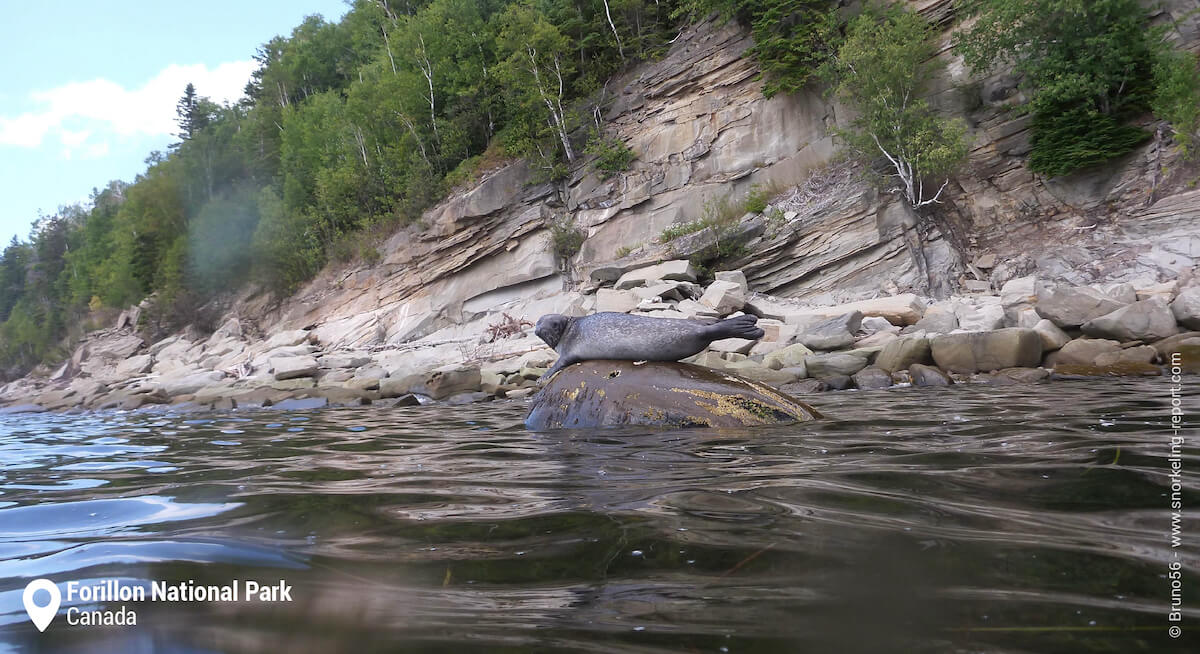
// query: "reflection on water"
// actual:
[[966, 519]]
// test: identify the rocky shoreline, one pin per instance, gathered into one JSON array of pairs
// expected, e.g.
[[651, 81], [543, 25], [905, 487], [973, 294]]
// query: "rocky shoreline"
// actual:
[[1031, 331]]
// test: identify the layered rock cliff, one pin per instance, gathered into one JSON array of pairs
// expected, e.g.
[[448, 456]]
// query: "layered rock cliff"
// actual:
[[702, 131]]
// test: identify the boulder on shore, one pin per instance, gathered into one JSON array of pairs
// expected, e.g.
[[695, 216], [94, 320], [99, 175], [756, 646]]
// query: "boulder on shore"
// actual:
[[658, 394], [1148, 320], [986, 351]]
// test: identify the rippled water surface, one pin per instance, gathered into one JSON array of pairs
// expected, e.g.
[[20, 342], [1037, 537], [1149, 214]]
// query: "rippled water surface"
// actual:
[[970, 519]]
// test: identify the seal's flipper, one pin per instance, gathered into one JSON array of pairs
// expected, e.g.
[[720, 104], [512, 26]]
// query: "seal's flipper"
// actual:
[[558, 365], [739, 327]]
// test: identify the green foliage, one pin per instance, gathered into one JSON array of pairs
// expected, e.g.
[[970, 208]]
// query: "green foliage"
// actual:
[[791, 37], [612, 155], [757, 199], [1087, 67], [883, 69], [1177, 95], [348, 130], [566, 238]]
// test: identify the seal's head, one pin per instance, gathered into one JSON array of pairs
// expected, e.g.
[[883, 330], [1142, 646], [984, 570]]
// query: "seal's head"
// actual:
[[550, 328]]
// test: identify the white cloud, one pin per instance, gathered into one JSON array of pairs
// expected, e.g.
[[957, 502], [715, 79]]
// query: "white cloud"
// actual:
[[100, 107]]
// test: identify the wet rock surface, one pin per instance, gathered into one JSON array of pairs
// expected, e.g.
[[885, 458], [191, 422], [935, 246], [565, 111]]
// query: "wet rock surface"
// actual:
[[613, 393]]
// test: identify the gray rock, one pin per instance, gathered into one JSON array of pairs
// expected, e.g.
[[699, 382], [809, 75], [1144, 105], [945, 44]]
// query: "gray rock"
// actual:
[[1019, 293], [609, 299], [345, 360], [723, 297], [680, 270], [902, 353], [735, 276], [1139, 354], [1186, 308], [656, 393], [114, 349], [1123, 293], [837, 382], [133, 366], [923, 375], [407, 399], [871, 378], [188, 383], [875, 324], [1082, 351], [286, 339], [804, 387], [834, 363], [1071, 306], [469, 398], [293, 367], [978, 319], [984, 351], [1052, 337], [1148, 320], [833, 333], [790, 356], [938, 319], [756, 371], [1019, 376]]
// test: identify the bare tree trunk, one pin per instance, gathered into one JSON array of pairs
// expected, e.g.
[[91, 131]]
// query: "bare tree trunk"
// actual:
[[608, 14], [427, 71]]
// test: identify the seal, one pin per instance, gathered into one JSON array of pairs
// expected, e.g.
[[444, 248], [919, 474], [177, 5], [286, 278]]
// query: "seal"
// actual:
[[620, 336]]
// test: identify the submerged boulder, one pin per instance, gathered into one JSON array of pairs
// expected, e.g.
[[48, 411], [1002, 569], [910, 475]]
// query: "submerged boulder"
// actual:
[[658, 394]]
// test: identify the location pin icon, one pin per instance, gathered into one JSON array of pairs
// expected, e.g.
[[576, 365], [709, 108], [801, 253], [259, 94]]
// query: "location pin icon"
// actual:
[[41, 615]]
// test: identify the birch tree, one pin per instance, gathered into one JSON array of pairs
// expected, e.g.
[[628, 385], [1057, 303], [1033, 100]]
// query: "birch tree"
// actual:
[[882, 70]]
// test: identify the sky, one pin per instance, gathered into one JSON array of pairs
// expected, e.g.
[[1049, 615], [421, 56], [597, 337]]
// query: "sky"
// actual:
[[88, 89]]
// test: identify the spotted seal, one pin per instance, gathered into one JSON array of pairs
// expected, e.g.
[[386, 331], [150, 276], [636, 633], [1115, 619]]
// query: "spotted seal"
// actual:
[[611, 335]]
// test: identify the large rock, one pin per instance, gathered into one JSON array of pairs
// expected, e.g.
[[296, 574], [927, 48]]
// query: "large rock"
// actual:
[[286, 339], [1147, 320], [1052, 337], [1186, 308], [923, 375], [723, 297], [872, 378], [681, 270], [659, 394], [939, 318], [904, 309], [902, 353], [980, 319], [610, 299], [790, 356], [439, 384], [1082, 351], [1071, 306], [293, 367], [985, 351], [114, 349], [135, 365], [834, 363], [833, 333]]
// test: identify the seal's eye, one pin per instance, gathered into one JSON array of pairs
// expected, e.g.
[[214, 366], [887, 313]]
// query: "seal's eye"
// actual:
[[614, 374]]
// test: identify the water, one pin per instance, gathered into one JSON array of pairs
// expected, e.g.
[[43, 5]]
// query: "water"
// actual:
[[969, 519]]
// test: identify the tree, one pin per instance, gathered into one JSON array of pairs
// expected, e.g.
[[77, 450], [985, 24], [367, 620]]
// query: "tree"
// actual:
[[537, 71], [882, 70], [1087, 67], [193, 113]]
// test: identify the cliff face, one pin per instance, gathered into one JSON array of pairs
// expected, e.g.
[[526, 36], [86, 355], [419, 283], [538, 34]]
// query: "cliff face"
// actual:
[[703, 131]]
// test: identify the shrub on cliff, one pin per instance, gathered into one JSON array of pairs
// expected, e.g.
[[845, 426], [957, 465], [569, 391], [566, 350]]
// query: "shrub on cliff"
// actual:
[[882, 69], [791, 37], [1088, 68]]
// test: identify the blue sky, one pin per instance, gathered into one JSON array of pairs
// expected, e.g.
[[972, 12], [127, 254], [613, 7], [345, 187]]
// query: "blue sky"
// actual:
[[88, 89]]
